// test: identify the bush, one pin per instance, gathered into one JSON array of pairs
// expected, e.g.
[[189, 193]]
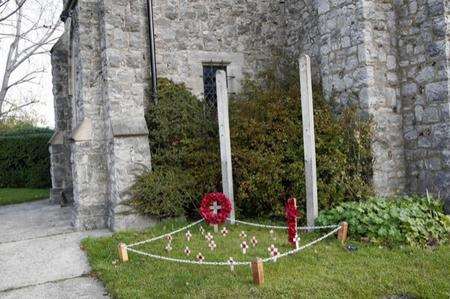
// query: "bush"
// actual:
[[185, 152], [268, 157], [414, 221], [267, 149], [168, 190], [24, 158]]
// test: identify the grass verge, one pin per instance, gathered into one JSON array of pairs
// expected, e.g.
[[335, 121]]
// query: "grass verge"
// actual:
[[326, 270], [10, 196]]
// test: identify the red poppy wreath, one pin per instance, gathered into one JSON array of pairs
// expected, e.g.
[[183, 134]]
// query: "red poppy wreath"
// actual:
[[215, 208]]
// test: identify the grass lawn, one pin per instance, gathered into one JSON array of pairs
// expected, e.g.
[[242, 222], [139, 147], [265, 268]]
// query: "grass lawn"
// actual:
[[10, 196], [326, 270]]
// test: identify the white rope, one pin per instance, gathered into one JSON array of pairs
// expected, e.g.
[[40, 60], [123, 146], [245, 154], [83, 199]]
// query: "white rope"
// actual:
[[168, 234], [188, 261], [285, 227], [235, 263], [303, 247], [237, 221]]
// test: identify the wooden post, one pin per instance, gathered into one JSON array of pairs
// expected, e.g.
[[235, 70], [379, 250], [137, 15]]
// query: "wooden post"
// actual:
[[225, 142], [258, 271], [312, 209], [343, 232], [123, 253]]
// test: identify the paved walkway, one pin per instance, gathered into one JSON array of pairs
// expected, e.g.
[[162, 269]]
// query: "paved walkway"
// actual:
[[40, 255]]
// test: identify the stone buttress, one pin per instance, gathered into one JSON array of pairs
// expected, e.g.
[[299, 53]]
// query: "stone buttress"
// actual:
[[109, 140]]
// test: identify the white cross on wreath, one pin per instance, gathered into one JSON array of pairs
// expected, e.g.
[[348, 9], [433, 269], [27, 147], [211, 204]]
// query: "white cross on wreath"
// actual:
[[215, 208]]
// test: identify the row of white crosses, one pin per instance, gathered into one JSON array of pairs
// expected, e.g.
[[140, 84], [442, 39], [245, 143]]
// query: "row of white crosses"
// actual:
[[273, 251], [212, 244]]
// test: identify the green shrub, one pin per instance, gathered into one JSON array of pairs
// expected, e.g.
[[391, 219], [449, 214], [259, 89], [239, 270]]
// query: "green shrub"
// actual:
[[24, 158], [267, 150], [168, 189], [183, 139], [414, 221], [268, 157]]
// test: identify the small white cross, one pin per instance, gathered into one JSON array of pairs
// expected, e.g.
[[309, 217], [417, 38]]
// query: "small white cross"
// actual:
[[215, 207], [231, 262], [244, 247], [188, 235], [224, 231], [212, 245]]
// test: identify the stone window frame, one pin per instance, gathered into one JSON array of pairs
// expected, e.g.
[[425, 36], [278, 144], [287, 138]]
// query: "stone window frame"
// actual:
[[196, 59]]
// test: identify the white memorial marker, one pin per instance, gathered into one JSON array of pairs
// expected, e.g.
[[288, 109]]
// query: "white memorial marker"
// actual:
[[231, 262], [188, 236], [244, 247]]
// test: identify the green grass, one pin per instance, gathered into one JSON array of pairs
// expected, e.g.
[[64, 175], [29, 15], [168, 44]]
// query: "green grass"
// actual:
[[10, 196], [326, 270]]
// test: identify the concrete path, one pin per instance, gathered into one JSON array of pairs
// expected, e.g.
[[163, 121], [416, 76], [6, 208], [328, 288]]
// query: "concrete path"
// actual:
[[40, 255]]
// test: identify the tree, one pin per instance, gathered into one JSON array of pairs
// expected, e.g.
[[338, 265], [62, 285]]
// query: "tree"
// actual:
[[30, 27]]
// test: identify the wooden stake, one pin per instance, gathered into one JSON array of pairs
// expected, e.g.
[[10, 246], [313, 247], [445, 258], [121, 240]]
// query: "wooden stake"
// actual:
[[258, 271], [309, 143], [342, 233], [123, 253]]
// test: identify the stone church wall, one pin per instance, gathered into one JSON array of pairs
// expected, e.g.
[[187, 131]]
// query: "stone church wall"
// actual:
[[390, 58], [424, 71], [303, 32], [353, 51], [240, 34]]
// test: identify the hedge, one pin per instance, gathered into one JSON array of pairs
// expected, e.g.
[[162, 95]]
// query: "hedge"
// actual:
[[24, 158]]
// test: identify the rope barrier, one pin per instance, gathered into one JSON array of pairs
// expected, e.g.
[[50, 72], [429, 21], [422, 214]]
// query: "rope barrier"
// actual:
[[285, 227], [168, 234], [235, 263], [188, 261], [302, 247]]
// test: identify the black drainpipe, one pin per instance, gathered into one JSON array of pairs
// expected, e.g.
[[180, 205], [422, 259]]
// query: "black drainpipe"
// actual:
[[70, 5], [151, 33]]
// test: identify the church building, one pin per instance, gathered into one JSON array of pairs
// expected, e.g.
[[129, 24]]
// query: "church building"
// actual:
[[391, 57]]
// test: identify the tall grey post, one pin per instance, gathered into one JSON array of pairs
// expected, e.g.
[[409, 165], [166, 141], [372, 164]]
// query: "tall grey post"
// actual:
[[309, 143], [225, 142]]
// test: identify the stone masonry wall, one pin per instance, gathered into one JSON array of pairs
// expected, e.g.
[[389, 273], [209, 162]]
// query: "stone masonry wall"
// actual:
[[357, 65], [389, 57], [241, 34], [424, 71], [303, 32]]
